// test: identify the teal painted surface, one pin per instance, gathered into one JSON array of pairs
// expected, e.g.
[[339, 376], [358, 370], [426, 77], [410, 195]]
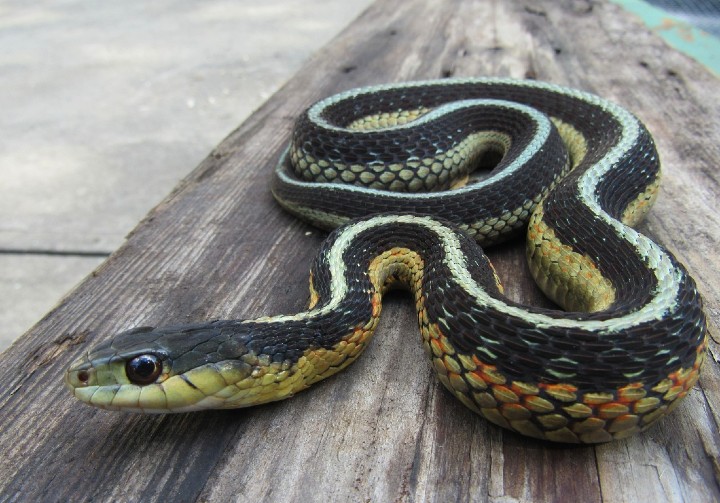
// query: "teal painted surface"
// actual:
[[684, 37]]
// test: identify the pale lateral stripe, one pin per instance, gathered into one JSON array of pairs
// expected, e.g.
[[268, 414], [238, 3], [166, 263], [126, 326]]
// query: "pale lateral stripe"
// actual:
[[542, 123], [455, 261]]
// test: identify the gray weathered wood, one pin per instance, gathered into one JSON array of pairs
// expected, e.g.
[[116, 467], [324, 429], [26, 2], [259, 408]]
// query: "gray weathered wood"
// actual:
[[384, 429]]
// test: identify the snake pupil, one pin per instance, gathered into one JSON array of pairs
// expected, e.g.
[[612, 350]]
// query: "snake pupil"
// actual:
[[143, 369]]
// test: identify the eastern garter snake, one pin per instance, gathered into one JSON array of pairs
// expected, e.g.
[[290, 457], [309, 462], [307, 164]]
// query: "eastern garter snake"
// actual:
[[580, 169]]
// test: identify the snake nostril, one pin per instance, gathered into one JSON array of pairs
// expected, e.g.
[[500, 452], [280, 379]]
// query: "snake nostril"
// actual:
[[83, 376]]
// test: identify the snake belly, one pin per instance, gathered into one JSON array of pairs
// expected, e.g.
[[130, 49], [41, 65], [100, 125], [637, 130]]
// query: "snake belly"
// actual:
[[412, 177]]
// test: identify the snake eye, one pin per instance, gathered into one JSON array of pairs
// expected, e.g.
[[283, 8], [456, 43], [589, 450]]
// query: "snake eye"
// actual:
[[143, 369]]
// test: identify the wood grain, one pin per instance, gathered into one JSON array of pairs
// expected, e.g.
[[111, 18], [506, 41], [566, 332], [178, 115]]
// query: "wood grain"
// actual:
[[383, 430]]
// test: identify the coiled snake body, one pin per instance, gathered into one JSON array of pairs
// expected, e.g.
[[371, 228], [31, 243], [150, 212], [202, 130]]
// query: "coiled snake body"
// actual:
[[414, 174]]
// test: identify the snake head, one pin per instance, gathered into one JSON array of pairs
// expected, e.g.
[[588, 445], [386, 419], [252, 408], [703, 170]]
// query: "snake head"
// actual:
[[171, 369]]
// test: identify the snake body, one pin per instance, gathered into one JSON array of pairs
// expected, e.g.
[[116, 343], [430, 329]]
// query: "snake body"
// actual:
[[415, 175]]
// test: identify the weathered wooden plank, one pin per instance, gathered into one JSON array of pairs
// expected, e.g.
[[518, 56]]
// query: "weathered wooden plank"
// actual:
[[384, 429]]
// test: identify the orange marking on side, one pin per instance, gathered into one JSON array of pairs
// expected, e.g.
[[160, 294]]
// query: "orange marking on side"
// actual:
[[376, 305], [631, 393], [437, 348], [477, 375], [561, 387], [521, 391]]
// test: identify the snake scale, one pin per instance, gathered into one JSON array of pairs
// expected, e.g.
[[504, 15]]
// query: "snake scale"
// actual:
[[412, 177]]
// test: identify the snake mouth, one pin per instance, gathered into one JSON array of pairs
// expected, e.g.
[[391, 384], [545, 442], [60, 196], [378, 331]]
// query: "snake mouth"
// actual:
[[103, 384], [99, 386], [81, 379]]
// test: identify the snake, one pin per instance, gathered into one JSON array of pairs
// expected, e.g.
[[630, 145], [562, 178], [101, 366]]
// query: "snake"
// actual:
[[413, 179]]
